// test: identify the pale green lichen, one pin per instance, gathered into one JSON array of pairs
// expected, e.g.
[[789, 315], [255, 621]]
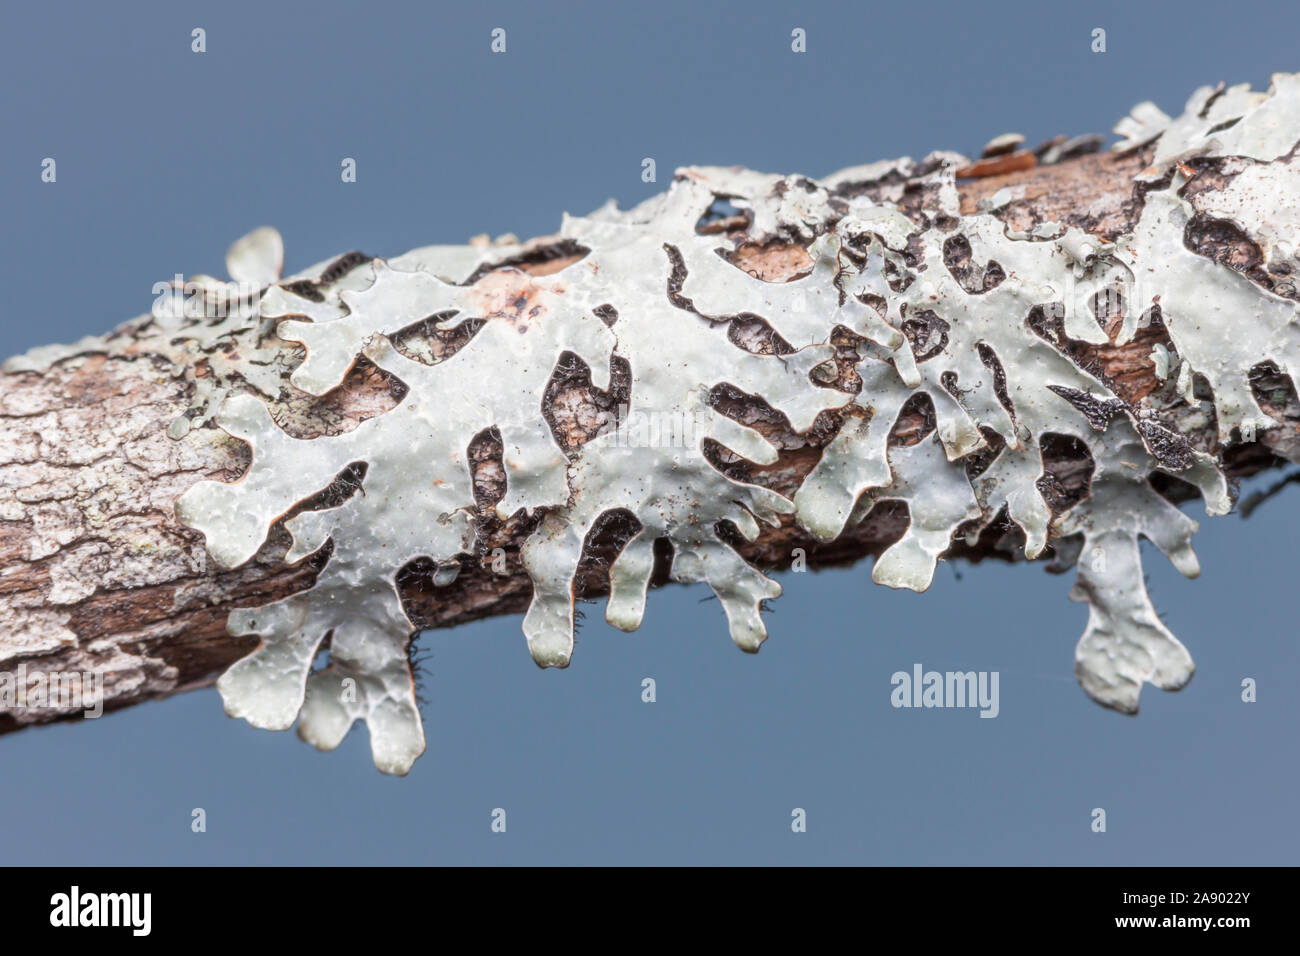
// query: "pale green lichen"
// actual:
[[940, 304]]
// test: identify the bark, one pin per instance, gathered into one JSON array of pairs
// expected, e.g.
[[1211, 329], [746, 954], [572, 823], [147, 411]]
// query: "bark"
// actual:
[[97, 574]]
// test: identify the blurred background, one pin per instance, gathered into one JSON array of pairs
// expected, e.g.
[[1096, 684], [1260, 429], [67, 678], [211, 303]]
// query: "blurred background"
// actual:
[[165, 156]]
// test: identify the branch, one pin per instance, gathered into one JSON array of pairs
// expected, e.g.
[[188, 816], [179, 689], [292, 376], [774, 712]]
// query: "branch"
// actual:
[[1024, 357]]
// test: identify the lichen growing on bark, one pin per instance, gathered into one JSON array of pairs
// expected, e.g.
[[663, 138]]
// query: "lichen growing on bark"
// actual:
[[959, 314]]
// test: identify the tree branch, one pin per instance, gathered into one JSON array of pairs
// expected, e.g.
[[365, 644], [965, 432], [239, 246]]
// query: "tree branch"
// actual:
[[98, 441]]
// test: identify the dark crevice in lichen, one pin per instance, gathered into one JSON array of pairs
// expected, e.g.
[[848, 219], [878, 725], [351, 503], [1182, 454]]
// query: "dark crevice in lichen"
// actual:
[[973, 278], [919, 407], [425, 342], [1068, 467], [1224, 242], [574, 409], [926, 333], [990, 360], [723, 217], [536, 256]]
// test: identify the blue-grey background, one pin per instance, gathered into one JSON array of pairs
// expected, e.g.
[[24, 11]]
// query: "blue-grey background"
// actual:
[[165, 156]]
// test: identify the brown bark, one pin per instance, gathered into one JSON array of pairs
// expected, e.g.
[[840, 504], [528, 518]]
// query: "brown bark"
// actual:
[[96, 573]]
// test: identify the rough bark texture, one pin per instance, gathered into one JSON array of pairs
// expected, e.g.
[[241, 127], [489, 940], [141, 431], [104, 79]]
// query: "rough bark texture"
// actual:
[[96, 572]]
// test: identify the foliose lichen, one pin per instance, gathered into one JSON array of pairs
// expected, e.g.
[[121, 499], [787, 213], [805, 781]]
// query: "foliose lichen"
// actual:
[[948, 308]]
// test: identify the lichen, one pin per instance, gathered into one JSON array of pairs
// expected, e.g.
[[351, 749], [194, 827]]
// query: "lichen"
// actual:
[[979, 324]]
